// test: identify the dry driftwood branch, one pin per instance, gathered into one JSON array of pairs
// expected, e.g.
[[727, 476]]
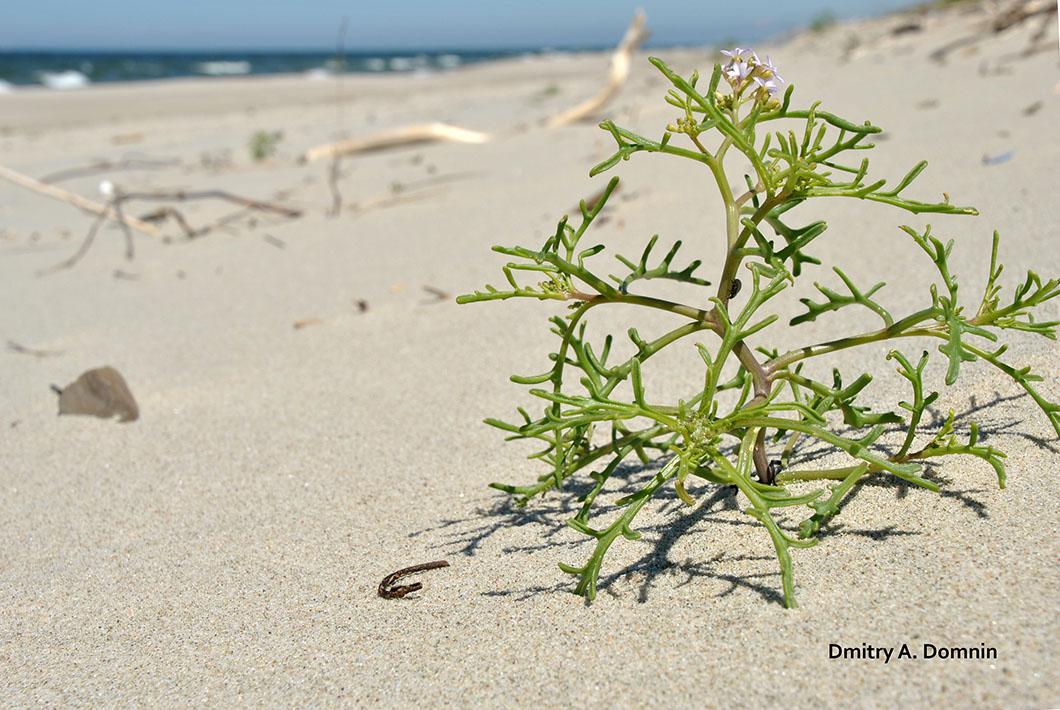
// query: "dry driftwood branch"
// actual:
[[220, 222], [162, 212], [211, 226], [621, 61], [1014, 14], [107, 211], [1019, 11], [406, 135], [182, 196], [117, 197]]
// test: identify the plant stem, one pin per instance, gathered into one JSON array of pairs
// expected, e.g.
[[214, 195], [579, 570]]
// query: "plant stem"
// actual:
[[697, 314], [898, 330]]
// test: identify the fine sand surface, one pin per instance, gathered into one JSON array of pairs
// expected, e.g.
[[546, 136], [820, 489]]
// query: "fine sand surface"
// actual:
[[225, 549]]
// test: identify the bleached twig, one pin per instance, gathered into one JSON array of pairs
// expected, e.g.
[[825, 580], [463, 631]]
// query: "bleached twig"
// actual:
[[406, 135], [107, 211], [621, 61]]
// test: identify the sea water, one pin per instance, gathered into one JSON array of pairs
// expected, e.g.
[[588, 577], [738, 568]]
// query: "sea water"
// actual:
[[72, 70]]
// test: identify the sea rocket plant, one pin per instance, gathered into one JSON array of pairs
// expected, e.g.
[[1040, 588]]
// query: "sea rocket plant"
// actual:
[[748, 429]]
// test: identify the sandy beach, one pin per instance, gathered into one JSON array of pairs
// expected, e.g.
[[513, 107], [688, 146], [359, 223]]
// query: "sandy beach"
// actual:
[[311, 401]]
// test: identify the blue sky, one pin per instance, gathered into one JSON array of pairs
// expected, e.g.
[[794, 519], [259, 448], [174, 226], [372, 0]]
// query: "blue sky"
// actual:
[[398, 24]]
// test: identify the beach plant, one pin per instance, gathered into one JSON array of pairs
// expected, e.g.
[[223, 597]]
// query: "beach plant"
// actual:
[[823, 20], [262, 144], [748, 398]]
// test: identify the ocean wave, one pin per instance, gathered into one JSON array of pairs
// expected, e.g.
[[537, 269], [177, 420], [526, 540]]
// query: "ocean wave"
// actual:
[[6, 87], [420, 61], [69, 70], [223, 68], [318, 74], [68, 79]]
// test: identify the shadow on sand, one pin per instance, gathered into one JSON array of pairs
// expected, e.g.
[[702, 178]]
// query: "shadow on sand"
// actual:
[[465, 535]]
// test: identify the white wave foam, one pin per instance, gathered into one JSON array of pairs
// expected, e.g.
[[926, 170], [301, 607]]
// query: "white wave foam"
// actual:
[[375, 64], [318, 74], [6, 87], [449, 61], [69, 79], [223, 68], [420, 61]]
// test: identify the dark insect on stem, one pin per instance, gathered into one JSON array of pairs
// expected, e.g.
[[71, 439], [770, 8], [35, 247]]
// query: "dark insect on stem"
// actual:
[[388, 591], [735, 288]]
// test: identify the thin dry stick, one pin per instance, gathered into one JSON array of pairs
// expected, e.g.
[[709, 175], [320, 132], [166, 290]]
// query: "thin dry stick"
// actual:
[[110, 165], [1015, 14], [218, 223], [22, 349], [389, 198], [621, 61], [1020, 11], [77, 201], [81, 251], [182, 196], [334, 169], [1037, 44], [438, 293], [333, 185], [406, 135], [225, 220], [409, 192], [163, 212], [116, 203]]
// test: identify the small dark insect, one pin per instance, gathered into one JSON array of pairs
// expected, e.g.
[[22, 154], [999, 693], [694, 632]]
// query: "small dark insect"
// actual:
[[775, 467], [735, 288], [388, 591]]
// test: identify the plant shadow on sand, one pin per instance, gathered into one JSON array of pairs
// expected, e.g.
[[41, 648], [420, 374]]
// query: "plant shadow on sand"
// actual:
[[721, 507]]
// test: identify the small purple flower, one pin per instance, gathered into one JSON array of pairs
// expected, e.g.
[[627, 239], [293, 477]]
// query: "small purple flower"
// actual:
[[769, 84], [734, 54], [768, 66], [738, 68], [737, 72]]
